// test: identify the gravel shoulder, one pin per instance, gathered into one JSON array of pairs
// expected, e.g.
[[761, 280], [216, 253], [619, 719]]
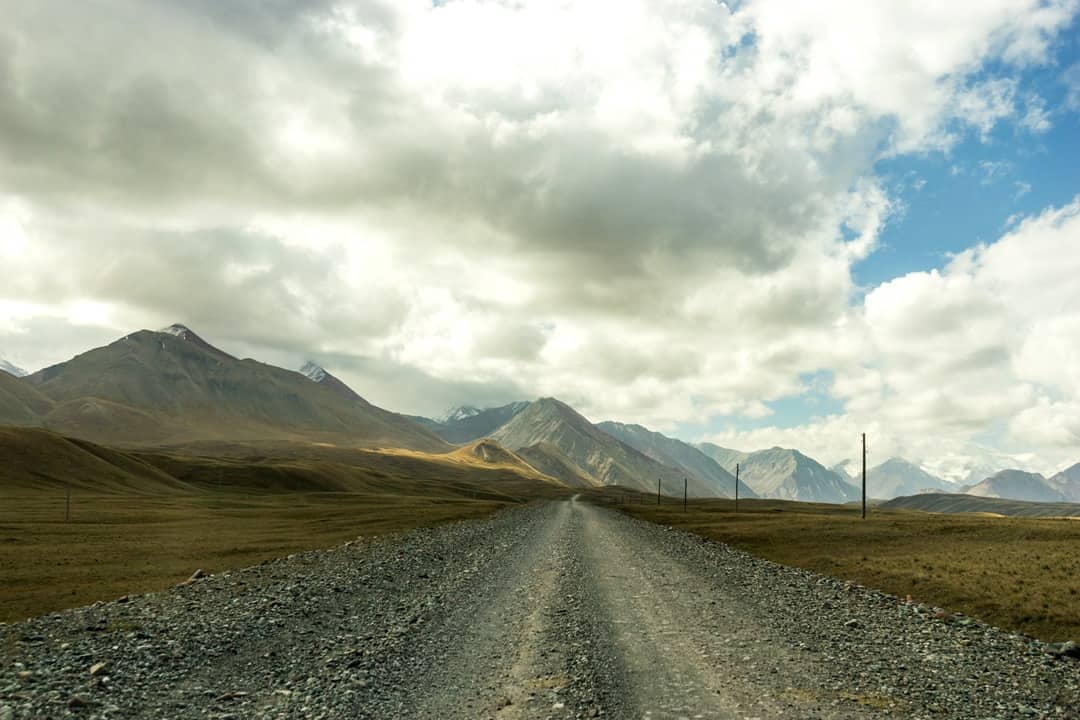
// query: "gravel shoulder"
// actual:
[[555, 610]]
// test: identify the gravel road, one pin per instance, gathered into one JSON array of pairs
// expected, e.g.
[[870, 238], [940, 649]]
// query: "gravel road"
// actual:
[[555, 610]]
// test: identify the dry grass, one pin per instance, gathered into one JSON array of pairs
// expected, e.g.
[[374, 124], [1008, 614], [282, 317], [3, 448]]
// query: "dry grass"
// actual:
[[119, 545], [1017, 573], [143, 520]]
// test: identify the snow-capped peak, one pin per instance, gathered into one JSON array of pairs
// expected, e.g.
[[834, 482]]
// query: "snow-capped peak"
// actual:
[[460, 413], [180, 331], [12, 369], [313, 372]]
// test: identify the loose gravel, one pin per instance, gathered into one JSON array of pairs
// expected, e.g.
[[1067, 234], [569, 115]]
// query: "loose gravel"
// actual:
[[555, 610]]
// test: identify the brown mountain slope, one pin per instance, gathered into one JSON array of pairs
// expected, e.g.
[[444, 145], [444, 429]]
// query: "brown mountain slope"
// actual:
[[549, 460], [192, 391]]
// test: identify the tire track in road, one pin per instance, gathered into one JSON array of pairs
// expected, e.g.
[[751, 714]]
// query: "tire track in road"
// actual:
[[684, 652], [511, 655]]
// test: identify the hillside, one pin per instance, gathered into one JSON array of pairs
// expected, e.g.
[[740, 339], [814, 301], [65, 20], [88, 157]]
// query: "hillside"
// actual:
[[39, 461], [1017, 485], [677, 454], [21, 404], [487, 452], [725, 457], [549, 460], [465, 424], [173, 386], [36, 460], [785, 474], [897, 477], [962, 503], [591, 450]]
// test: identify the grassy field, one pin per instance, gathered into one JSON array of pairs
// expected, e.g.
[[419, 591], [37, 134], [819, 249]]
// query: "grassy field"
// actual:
[[117, 545], [1017, 573]]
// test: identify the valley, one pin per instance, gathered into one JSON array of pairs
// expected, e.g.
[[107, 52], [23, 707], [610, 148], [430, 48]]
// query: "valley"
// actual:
[[360, 561]]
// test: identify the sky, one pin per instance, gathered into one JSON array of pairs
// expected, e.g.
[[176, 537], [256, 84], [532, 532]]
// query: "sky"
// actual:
[[756, 223]]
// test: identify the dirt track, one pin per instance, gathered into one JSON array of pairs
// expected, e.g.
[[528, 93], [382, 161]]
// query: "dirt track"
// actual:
[[557, 610]]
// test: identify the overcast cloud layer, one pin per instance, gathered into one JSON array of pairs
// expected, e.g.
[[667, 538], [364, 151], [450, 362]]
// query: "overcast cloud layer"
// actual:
[[649, 209]]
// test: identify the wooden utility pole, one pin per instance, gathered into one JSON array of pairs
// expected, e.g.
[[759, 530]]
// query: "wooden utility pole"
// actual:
[[67, 506], [657, 491], [864, 476], [736, 487], [684, 494]]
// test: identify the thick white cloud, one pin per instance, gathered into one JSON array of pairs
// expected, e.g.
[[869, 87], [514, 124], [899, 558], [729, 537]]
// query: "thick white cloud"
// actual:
[[648, 208], [986, 347]]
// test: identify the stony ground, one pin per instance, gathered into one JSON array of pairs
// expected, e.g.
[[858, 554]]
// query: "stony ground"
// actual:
[[558, 610]]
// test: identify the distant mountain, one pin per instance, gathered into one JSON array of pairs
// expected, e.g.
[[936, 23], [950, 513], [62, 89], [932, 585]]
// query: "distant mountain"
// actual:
[[460, 413], [961, 503], [590, 450], [846, 469], [465, 424], [896, 477], [979, 468], [784, 474], [725, 457], [172, 385], [677, 454], [1067, 482], [10, 369], [1017, 485]]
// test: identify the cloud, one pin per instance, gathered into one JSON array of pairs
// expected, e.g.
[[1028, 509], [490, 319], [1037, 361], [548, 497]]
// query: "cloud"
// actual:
[[983, 352], [650, 209]]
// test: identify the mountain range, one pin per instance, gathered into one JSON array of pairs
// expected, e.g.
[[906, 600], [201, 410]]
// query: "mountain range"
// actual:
[[1030, 487], [171, 385], [785, 474], [677, 454], [467, 423], [591, 450], [171, 388]]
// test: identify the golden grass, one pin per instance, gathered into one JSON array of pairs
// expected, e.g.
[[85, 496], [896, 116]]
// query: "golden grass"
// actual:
[[118, 545], [1021, 574]]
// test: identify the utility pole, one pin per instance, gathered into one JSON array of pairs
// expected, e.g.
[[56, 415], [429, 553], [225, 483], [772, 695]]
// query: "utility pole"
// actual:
[[657, 491], [864, 476], [67, 507], [684, 494], [736, 487]]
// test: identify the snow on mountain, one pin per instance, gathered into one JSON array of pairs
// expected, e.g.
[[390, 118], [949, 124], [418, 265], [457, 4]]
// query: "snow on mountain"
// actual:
[[460, 413], [313, 372], [180, 331], [12, 369]]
